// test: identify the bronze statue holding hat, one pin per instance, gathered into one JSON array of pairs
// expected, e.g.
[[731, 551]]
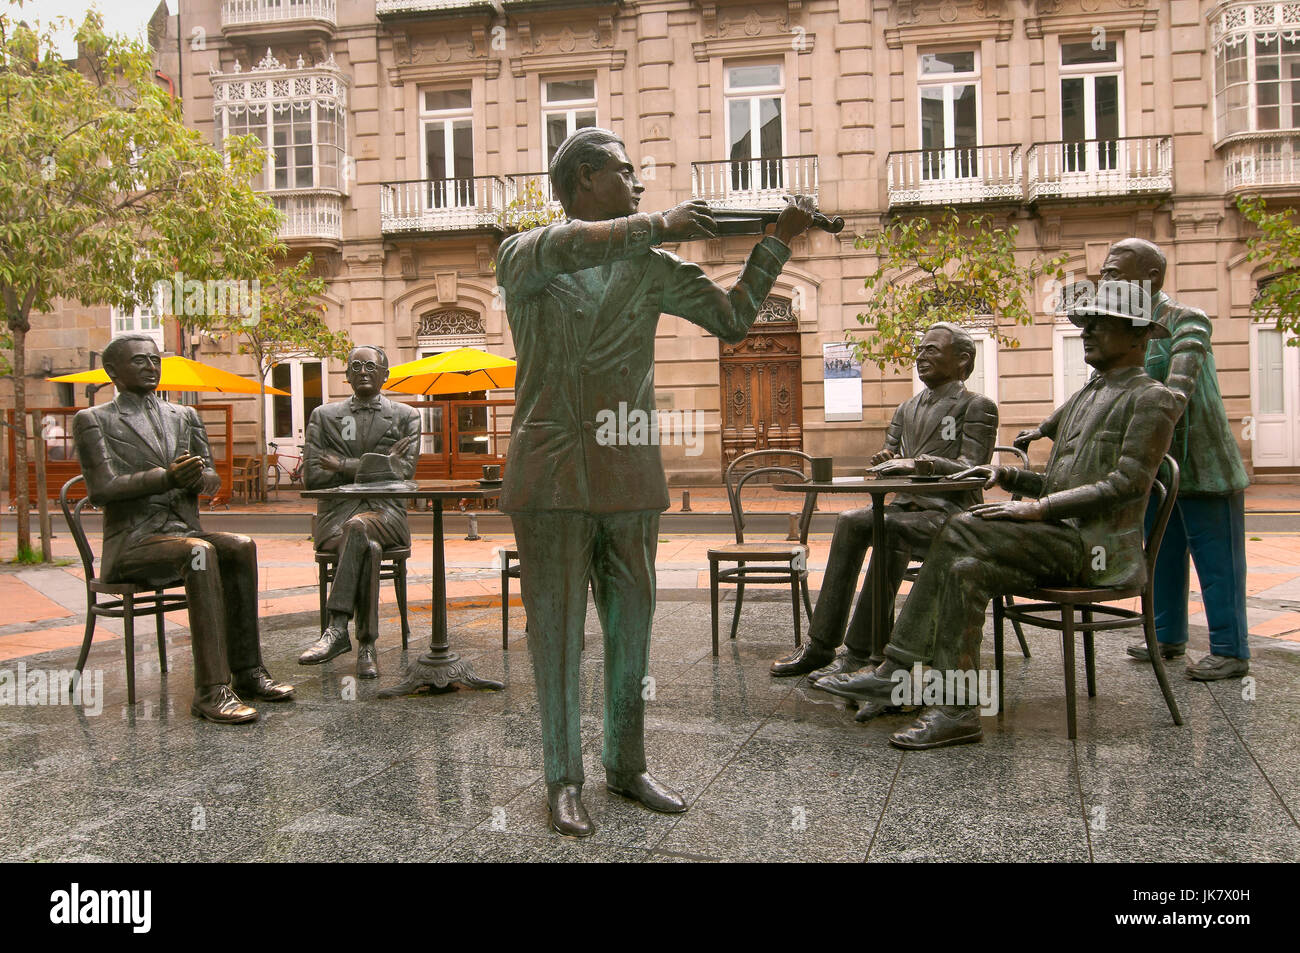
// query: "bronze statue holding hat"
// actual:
[[366, 439]]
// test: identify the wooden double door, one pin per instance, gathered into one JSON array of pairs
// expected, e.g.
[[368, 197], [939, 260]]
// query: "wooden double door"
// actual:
[[762, 405]]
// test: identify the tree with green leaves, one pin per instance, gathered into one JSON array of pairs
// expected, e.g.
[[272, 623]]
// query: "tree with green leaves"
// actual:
[[103, 189], [946, 268], [1276, 245], [289, 322], [529, 208]]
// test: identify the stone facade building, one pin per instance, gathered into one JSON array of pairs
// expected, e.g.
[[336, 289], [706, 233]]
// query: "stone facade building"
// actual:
[[402, 137]]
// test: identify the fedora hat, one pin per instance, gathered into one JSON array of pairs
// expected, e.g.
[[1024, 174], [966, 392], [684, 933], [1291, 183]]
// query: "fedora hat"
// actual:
[[375, 472], [1126, 300]]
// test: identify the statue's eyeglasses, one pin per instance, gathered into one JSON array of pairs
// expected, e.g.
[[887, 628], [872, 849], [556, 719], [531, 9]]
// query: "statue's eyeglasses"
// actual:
[[356, 367]]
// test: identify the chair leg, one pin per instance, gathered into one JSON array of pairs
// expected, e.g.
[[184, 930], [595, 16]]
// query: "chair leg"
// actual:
[[794, 599], [128, 632], [91, 616], [399, 589], [1089, 659], [1020, 633], [735, 616], [713, 603], [999, 618], [1158, 663], [1067, 649], [162, 638], [807, 600], [505, 606]]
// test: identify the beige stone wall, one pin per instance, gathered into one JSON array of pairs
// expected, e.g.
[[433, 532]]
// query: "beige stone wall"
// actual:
[[851, 97]]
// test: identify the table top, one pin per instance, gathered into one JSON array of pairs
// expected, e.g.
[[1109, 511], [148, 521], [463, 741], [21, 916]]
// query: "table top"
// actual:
[[424, 490], [895, 485]]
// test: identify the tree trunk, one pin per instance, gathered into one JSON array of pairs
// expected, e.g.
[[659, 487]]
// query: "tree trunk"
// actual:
[[20, 435]]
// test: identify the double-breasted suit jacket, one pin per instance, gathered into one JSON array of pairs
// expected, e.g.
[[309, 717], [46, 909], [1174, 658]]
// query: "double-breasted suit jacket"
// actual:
[[125, 464], [348, 429], [583, 300], [956, 426]]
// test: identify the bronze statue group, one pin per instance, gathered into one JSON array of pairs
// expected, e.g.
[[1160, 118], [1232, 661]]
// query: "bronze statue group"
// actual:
[[583, 300]]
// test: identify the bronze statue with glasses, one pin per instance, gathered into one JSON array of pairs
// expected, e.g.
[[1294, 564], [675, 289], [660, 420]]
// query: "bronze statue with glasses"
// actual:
[[359, 529]]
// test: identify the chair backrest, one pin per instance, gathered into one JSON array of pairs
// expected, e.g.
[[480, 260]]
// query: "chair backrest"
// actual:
[[72, 513], [749, 466], [1166, 491], [1022, 456]]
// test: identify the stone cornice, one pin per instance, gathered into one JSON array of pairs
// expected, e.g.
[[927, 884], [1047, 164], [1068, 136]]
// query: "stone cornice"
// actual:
[[720, 46]]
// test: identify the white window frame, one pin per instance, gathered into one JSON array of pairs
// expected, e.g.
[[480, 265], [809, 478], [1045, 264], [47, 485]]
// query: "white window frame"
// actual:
[[754, 94], [1063, 330], [1235, 24], [1089, 73], [949, 83], [569, 108]]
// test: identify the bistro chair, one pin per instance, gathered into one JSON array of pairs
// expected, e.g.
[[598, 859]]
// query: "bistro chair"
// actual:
[[780, 563], [392, 566], [131, 598], [508, 572], [914, 570], [1057, 606]]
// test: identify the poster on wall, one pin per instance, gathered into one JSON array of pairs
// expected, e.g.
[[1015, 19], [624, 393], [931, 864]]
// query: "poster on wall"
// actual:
[[842, 382]]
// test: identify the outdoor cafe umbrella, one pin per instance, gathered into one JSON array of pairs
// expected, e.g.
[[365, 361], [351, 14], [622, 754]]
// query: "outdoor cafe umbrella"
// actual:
[[182, 374], [452, 372]]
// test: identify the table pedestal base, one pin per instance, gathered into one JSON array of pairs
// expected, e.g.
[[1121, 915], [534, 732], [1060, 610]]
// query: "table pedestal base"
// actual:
[[437, 673]]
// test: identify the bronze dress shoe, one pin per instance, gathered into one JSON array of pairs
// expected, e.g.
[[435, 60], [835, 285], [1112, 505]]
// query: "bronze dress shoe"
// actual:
[[866, 684], [802, 660], [219, 703], [568, 816], [842, 665], [367, 666], [257, 683], [1214, 667], [644, 788], [939, 727], [333, 641], [1167, 651]]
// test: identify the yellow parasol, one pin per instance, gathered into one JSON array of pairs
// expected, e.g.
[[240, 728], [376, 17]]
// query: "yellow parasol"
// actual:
[[182, 374], [452, 372]]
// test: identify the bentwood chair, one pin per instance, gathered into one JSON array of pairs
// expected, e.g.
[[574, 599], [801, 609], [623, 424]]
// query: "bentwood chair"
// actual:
[[132, 599], [779, 563], [510, 567], [392, 567], [1057, 605]]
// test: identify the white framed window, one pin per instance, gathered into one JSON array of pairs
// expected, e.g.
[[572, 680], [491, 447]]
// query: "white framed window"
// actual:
[[298, 115], [568, 104], [1091, 107], [984, 376], [447, 146], [950, 114], [755, 101], [1256, 67], [1069, 370]]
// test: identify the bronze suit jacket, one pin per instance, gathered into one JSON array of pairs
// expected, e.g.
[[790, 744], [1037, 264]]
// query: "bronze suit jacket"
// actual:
[[951, 423], [325, 434], [1109, 439], [125, 467], [583, 300]]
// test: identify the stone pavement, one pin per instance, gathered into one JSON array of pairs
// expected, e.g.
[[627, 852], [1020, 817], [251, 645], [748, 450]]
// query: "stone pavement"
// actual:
[[773, 770]]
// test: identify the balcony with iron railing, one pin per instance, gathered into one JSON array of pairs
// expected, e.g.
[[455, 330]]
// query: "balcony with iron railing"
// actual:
[[255, 16], [960, 176], [1270, 162], [1100, 168], [315, 214], [529, 200], [428, 206], [406, 9], [754, 183]]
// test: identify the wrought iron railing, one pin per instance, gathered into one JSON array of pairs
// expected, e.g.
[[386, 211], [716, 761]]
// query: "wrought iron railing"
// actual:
[[1262, 162], [1088, 168], [243, 12], [432, 205], [754, 182], [958, 176]]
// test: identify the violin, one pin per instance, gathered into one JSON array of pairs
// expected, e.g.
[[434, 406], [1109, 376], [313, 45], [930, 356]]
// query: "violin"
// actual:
[[754, 221]]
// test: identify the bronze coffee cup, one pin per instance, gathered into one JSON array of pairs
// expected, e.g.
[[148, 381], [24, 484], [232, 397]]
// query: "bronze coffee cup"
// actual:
[[491, 472], [823, 469]]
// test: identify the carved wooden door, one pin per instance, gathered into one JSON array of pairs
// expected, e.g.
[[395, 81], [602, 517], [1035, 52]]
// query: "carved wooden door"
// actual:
[[762, 407]]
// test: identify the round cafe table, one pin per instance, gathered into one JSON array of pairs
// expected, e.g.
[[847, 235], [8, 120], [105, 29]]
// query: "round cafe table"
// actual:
[[439, 667], [881, 605]]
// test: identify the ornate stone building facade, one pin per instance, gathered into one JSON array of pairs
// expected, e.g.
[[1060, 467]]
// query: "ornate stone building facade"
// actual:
[[402, 137]]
